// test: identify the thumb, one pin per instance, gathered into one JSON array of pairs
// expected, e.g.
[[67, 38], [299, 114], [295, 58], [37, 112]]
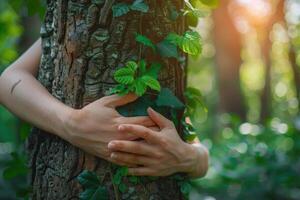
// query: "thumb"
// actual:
[[159, 119], [117, 100]]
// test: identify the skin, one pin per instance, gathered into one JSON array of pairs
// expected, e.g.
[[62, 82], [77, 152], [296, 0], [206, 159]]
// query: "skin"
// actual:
[[98, 128]]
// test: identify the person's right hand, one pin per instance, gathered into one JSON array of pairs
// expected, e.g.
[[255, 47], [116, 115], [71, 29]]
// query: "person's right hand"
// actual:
[[94, 126]]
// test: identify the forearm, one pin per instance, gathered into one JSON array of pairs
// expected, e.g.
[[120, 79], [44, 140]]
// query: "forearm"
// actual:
[[23, 95]]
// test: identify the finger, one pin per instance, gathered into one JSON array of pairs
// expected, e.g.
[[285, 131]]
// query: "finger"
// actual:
[[135, 147], [159, 119], [143, 121], [141, 171], [132, 159], [141, 131], [117, 100], [154, 128]]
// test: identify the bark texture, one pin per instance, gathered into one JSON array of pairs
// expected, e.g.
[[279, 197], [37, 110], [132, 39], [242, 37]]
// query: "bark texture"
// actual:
[[82, 47]]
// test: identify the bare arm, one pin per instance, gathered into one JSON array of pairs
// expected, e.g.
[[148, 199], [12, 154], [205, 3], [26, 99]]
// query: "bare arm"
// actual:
[[90, 128], [23, 95]]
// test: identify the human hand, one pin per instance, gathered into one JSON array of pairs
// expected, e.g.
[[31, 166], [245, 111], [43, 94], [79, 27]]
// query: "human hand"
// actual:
[[162, 153], [92, 127]]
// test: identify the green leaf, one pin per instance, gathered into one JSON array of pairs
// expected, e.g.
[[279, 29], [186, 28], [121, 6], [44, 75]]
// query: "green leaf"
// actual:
[[88, 179], [192, 19], [142, 67], [151, 82], [97, 193], [120, 9], [15, 167], [134, 179], [120, 173], [145, 41], [137, 108], [140, 87], [196, 108], [122, 188], [154, 70], [166, 49], [185, 188], [139, 5], [173, 13], [24, 192], [92, 185], [124, 75], [191, 43], [119, 89], [168, 99], [174, 38], [132, 65]]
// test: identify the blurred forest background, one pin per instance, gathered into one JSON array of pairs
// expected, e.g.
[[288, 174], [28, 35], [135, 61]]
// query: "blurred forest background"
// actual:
[[249, 75]]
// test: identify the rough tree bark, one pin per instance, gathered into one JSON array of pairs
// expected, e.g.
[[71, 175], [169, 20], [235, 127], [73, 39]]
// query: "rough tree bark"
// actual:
[[228, 59], [82, 47]]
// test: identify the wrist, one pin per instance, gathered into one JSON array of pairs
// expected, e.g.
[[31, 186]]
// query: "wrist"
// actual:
[[69, 121], [195, 164]]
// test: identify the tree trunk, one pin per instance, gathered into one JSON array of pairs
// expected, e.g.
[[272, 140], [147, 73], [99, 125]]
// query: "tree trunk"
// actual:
[[266, 47], [296, 72], [82, 47], [228, 59]]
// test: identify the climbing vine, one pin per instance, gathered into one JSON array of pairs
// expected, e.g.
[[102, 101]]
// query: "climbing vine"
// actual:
[[140, 76]]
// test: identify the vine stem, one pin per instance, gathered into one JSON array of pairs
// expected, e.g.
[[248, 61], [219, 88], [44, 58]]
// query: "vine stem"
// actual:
[[117, 197], [140, 32]]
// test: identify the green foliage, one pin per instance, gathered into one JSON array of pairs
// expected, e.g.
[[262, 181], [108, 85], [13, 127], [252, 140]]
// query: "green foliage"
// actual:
[[189, 132], [195, 104], [189, 43], [121, 9], [145, 41], [9, 32], [139, 5], [118, 177], [15, 167], [185, 188], [167, 98], [136, 78], [256, 162], [31, 7], [167, 50], [92, 187]]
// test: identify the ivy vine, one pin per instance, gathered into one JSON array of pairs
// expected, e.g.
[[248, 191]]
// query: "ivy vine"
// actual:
[[141, 78]]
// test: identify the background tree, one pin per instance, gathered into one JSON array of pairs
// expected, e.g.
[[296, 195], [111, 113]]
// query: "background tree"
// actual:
[[226, 36]]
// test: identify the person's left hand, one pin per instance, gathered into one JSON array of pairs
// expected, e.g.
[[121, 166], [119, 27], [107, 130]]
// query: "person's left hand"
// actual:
[[161, 153]]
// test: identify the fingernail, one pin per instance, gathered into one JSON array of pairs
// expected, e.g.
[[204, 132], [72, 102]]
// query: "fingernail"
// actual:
[[113, 155], [121, 127], [111, 145]]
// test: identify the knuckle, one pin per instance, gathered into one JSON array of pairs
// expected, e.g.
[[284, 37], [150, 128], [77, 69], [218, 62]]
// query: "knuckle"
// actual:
[[159, 155], [118, 120], [164, 142]]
